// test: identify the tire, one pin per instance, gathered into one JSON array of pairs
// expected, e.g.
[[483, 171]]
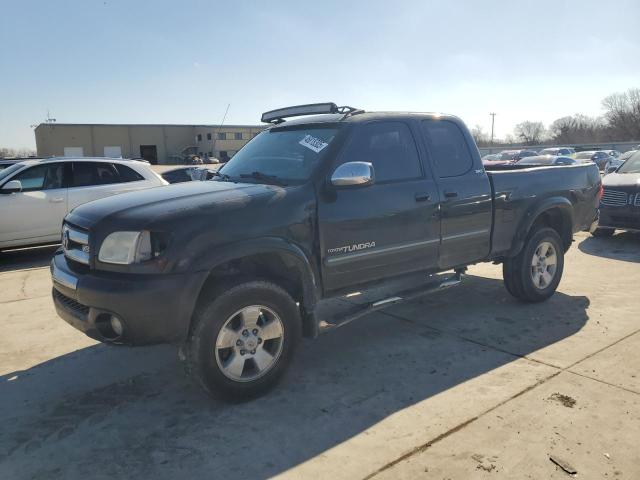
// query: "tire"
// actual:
[[603, 232], [531, 282], [225, 352]]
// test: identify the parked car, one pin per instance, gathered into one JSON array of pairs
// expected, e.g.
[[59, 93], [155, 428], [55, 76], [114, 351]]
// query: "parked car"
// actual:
[[187, 174], [507, 157], [35, 195], [7, 162], [558, 151], [310, 209], [620, 203], [615, 162], [546, 160]]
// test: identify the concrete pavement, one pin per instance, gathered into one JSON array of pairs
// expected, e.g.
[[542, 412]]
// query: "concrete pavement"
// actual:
[[466, 383]]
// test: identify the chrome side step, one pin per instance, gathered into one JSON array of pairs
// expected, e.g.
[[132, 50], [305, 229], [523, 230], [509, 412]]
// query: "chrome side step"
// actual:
[[357, 311]]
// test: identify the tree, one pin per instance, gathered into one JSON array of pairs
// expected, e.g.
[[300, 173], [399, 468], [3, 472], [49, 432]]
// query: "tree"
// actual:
[[16, 152], [530, 133], [578, 129], [479, 136], [622, 111]]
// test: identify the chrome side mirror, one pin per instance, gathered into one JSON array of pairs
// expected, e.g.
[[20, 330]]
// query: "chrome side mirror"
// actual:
[[13, 186], [353, 174]]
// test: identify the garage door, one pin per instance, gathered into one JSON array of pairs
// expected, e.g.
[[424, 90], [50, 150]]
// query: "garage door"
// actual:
[[73, 152], [113, 152]]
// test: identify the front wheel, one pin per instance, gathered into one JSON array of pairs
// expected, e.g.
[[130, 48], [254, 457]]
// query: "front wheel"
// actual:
[[534, 274], [243, 339]]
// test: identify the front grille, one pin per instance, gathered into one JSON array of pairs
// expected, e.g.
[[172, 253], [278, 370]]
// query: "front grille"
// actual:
[[80, 310], [614, 198], [75, 244], [637, 200]]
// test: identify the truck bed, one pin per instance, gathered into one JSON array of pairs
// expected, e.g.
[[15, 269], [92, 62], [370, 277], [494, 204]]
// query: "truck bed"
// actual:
[[519, 192]]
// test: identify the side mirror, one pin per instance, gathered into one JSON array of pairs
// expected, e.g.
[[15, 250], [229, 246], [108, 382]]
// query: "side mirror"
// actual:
[[353, 174], [13, 186]]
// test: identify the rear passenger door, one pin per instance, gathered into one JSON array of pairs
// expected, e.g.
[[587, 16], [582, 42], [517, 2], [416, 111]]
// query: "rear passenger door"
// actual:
[[465, 194], [94, 180], [385, 229]]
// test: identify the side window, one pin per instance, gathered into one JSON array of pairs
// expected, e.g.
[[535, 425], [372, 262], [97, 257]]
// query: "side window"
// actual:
[[127, 174], [390, 147], [94, 173], [41, 177], [447, 147]]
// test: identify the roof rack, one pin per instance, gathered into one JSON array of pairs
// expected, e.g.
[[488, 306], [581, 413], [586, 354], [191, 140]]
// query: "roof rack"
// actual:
[[278, 116]]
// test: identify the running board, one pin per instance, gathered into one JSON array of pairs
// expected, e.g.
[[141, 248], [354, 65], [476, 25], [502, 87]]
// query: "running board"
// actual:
[[446, 281]]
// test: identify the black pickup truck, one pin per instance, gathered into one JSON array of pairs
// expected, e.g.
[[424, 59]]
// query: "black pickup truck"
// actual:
[[233, 270]]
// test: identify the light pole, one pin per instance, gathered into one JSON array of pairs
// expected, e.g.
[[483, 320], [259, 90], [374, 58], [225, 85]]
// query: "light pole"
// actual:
[[493, 118]]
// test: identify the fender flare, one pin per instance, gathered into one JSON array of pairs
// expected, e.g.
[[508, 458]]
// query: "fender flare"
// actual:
[[308, 273], [561, 203]]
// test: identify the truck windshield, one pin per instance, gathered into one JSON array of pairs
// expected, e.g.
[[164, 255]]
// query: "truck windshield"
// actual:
[[289, 155], [632, 165]]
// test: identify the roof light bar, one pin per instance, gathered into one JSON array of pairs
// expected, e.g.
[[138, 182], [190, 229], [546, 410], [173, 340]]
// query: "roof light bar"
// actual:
[[298, 110]]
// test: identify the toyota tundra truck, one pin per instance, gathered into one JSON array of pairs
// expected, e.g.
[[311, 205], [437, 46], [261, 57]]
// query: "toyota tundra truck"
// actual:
[[326, 201]]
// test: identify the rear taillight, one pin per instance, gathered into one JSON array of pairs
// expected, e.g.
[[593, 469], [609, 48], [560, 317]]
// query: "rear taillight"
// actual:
[[601, 192]]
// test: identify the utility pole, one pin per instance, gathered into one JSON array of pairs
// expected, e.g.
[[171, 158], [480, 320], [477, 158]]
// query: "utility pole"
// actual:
[[493, 118], [215, 138]]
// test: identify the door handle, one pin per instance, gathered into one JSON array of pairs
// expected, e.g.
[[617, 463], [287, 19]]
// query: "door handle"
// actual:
[[56, 199], [422, 197], [450, 194]]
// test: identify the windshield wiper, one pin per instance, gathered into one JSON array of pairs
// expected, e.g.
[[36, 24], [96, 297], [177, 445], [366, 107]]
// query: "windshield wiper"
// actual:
[[223, 176], [263, 176]]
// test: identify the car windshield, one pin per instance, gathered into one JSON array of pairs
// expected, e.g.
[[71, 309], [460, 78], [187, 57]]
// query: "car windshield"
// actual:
[[632, 165], [9, 171], [537, 160], [549, 151], [583, 155], [507, 155], [289, 155]]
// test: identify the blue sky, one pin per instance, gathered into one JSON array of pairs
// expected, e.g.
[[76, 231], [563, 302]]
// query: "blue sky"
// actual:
[[119, 61]]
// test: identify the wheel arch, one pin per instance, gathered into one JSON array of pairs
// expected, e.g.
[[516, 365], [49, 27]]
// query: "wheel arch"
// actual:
[[556, 213], [269, 258]]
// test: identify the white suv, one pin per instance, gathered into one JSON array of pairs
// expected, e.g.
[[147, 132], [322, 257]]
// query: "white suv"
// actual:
[[35, 195]]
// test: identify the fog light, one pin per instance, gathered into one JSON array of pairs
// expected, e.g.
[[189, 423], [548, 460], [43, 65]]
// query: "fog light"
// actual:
[[116, 326]]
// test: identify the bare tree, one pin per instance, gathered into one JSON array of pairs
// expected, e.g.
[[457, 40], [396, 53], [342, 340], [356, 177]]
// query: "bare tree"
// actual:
[[622, 111], [530, 133], [578, 129], [16, 152], [479, 135]]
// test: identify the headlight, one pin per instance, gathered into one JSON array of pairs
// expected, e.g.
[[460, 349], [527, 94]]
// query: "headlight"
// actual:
[[126, 247]]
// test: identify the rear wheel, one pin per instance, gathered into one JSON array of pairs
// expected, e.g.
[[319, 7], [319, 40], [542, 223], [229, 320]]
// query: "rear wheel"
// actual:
[[243, 340], [534, 274]]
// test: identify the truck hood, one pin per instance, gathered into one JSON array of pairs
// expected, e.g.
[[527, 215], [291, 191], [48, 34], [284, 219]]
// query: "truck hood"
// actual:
[[139, 209]]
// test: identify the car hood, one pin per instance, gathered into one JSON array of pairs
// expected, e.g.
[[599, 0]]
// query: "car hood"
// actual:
[[143, 208], [628, 180]]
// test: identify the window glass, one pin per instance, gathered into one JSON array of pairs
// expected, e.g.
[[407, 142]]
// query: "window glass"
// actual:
[[390, 148], [41, 177], [127, 174], [199, 137], [447, 147], [94, 173], [208, 136], [222, 136], [289, 154], [238, 136]]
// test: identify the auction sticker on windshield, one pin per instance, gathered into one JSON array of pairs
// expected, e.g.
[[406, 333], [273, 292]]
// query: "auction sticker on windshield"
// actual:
[[313, 143]]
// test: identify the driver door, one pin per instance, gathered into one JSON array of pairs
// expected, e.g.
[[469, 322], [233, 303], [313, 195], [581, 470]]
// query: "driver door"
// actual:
[[388, 228], [35, 214]]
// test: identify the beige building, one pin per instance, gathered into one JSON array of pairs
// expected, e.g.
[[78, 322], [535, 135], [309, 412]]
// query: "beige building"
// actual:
[[162, 144]]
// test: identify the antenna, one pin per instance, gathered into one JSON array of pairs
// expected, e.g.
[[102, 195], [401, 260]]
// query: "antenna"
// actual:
[[47, 120], [215, 139]]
